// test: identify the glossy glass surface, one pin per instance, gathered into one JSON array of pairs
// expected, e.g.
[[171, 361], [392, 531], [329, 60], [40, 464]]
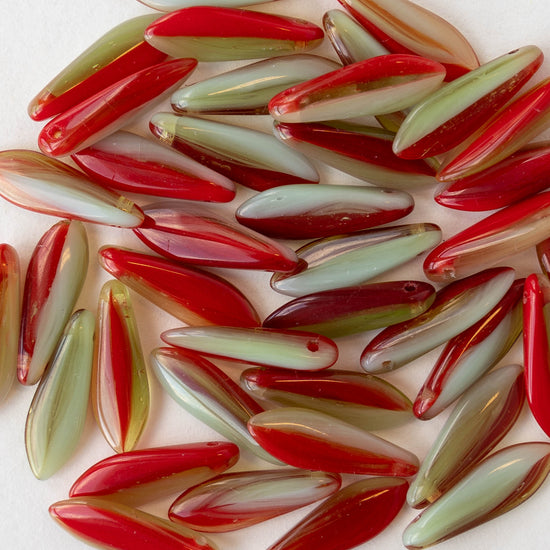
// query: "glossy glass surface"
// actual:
[[107, 524], [339, 522], [10, 316], [455, 111], [482, 417], [58, 410], [503, 135], [193, 296], [211, 33], [312, 440], [375, 86], [363, 400], [199, 235], [303, 211], [500, 483], [536, 348], [120, 389], [259, 346], [112, 108], [352, 259], [516, 177], [53, 282], [354, 309], [404, 26], [119, 53], [136, 477], [135, 164], [249, 157], [248, 89], [456, 307], [33, 181], [209, 394], [364, 152], [234, 501], [349, 39], [468, 356], [490, 241], [169, 5]]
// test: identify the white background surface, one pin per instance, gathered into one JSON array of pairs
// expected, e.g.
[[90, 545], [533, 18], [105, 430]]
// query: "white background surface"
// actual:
[[38, 40]]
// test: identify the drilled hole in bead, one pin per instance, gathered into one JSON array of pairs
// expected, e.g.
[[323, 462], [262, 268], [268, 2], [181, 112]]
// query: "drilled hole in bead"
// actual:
[[312, 346], [410, 287]]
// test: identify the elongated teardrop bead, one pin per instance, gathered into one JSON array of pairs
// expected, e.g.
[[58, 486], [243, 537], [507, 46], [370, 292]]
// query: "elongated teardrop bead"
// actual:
[[503, 135], [363, 400], [468, 356], [120, 389], [456, 307], [171, 5], [54, 279], [316, 441], [354, 309], [137, 477], [482, 417], [10, 316], [509, 231], [349, 518], [252, 158], [134, 164], [58, 410], [112, 108], [38, 183], [259, 346], [543, 255], [119, 53], [536, 348], [362, 151], [248, 89], [113, 525], [303, 211], [349, 260], [499, 484], [198, 235], [194, 297], [375, 86], [207, 393], [234, 501], [211, 33], [349, 39], [405, 27], [455, 111], [514, 178]]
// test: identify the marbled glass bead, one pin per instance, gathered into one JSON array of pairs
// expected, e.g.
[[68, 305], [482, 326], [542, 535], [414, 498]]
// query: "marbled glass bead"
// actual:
[[249, 157], [54, 279], [135, 164], [305, 211], [112, 108], [193, 296], [211, 33], [137, 477], [248, 89], [119, 53], [241, 499]]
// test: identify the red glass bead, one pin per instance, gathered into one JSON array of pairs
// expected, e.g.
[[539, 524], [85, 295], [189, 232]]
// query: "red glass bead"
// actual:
[[135, 164], [193, 296], [536, 348], [508, 231], [136, 477], [112, 108], [521, 175], [349, 518], [211, 33], [200, 235]]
